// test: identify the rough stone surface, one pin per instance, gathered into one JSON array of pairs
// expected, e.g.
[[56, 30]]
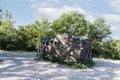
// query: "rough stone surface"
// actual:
[[70, 48]]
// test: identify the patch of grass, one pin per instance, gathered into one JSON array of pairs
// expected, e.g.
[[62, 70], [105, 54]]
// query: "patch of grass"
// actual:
[[75, 65]]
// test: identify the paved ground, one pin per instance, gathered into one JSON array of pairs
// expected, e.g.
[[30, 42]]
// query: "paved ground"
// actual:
[[21, 66]]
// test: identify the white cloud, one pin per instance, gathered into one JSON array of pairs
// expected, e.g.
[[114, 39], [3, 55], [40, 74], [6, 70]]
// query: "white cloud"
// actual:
[[113, 20], [115, 4], [46, 8], [89, 0], [56, 1], [81, 0], [90, 18], [32, 0], [45, 3], [52, 12]]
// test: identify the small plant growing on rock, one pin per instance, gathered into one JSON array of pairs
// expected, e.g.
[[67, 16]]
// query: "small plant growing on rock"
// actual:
[[75, 65]]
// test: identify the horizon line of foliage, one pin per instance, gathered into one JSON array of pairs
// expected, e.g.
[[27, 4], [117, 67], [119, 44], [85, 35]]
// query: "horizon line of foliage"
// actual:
[[28, 37]]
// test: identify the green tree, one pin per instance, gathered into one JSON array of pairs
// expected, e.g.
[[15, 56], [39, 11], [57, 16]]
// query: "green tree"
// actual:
[[73, 23], [42, 28], [76, 23], [100, 32], [31, 34], [7, 31], [0, 16], [7, 22]]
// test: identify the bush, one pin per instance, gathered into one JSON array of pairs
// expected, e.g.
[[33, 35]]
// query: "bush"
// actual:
[[74, 65], [108, 50]]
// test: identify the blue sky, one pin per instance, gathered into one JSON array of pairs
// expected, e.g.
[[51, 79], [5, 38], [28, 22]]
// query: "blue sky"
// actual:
[[27, 11]]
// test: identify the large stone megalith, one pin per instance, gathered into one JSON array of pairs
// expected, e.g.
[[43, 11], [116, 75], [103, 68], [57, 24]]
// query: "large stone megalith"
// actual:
[[70, 48]]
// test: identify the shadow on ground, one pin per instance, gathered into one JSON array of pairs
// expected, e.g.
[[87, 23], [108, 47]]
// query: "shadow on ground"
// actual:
[[18, 66]]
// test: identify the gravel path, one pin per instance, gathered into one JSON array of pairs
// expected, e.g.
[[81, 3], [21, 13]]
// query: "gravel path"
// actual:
[[22, 66]]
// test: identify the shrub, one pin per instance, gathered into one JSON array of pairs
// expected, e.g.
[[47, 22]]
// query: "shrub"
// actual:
[[74, 65], [108, 50]]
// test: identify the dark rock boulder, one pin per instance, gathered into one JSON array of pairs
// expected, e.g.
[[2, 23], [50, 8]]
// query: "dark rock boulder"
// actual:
[[70, 48]]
